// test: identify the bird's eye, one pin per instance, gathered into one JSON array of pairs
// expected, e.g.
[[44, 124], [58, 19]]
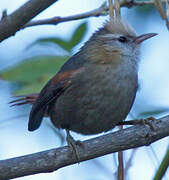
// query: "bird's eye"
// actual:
[[122, 39]]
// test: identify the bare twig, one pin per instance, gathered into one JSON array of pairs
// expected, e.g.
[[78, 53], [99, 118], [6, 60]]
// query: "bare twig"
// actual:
[[102, 10], [167, 8], [120, 166], [160, 8], [51, 160], [111, 9], [117, 8], [19, 19], [57, 19], [121, 162]]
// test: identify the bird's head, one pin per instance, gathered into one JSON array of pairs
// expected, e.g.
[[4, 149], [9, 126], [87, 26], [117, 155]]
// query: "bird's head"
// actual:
[[114, 40]]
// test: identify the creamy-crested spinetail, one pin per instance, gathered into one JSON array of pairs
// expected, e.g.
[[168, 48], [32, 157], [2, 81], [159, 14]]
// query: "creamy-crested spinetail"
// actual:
[[95, 89]]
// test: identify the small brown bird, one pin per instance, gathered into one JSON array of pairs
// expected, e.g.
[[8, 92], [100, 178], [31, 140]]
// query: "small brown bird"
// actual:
[[95, 89]]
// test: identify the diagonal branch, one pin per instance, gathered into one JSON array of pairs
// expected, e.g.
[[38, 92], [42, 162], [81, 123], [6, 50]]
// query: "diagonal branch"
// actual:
[[51, 160], [9, 25]]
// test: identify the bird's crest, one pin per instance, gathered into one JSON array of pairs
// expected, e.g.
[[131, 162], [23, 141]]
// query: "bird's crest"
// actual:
[[117, 26]]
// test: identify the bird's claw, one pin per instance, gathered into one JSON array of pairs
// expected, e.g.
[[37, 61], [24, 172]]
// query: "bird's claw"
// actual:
[[148, 121]]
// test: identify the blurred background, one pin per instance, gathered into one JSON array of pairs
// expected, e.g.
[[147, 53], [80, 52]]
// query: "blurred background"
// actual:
[[33, 55]]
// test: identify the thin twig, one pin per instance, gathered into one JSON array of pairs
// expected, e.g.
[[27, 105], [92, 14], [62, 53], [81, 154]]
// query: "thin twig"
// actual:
[[117, 8], [121, 164], [102, 10], [111, 9], [10, 24], [57, 19], [167, 8], [160, 9]]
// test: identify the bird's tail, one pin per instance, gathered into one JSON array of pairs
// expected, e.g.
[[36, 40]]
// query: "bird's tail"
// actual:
[[24, 99]]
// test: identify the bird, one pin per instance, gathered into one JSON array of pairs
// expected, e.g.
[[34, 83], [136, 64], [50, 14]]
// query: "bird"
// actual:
[[95, 89]]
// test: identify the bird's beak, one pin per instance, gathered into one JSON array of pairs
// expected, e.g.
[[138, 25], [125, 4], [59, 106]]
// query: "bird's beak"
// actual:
[[143, 37]]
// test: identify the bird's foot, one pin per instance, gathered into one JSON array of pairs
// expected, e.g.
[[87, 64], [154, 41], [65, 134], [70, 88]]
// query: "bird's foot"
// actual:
[[73, 145], [148, 121]]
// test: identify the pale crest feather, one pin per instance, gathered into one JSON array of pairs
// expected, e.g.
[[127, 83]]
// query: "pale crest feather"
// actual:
[[117, 26]]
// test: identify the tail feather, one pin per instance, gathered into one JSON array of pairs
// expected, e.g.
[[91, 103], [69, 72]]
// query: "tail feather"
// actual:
[[35, 118], [37, 113], [24, 99]]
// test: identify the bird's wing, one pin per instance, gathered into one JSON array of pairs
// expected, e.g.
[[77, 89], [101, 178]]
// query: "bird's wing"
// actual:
[[53, 89]]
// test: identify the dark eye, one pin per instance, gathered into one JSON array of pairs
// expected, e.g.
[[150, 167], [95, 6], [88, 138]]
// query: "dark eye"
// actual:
[[122, 39]]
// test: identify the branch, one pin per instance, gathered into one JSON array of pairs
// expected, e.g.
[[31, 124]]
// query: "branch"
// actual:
[[57, 19], [94, 13], [19, 19], [9, 25], [51, 160]]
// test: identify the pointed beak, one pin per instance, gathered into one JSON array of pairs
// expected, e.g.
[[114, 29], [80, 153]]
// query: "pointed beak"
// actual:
[[143, 37]]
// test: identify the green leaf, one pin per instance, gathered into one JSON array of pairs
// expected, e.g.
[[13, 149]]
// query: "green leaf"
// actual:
[[33, 87], [53, 40], [79, 34], [31, 74], [153, 112], [34, 69], [67, 45]]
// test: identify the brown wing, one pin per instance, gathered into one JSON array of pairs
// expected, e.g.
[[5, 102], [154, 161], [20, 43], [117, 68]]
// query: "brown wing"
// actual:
[[53, 89]]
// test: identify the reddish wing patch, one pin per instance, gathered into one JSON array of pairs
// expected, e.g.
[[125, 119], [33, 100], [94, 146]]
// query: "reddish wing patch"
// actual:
[[53, 89], [59, 81], [63, 76]]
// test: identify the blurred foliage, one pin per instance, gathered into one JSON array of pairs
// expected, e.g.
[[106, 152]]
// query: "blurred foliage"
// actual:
[[33, 69], [31, 74], [67, 45], [163, 167], [153, 112], [143, 11]]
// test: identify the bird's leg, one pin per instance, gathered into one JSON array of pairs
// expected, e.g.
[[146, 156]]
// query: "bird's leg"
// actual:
[[148, 121], [73, 144]]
